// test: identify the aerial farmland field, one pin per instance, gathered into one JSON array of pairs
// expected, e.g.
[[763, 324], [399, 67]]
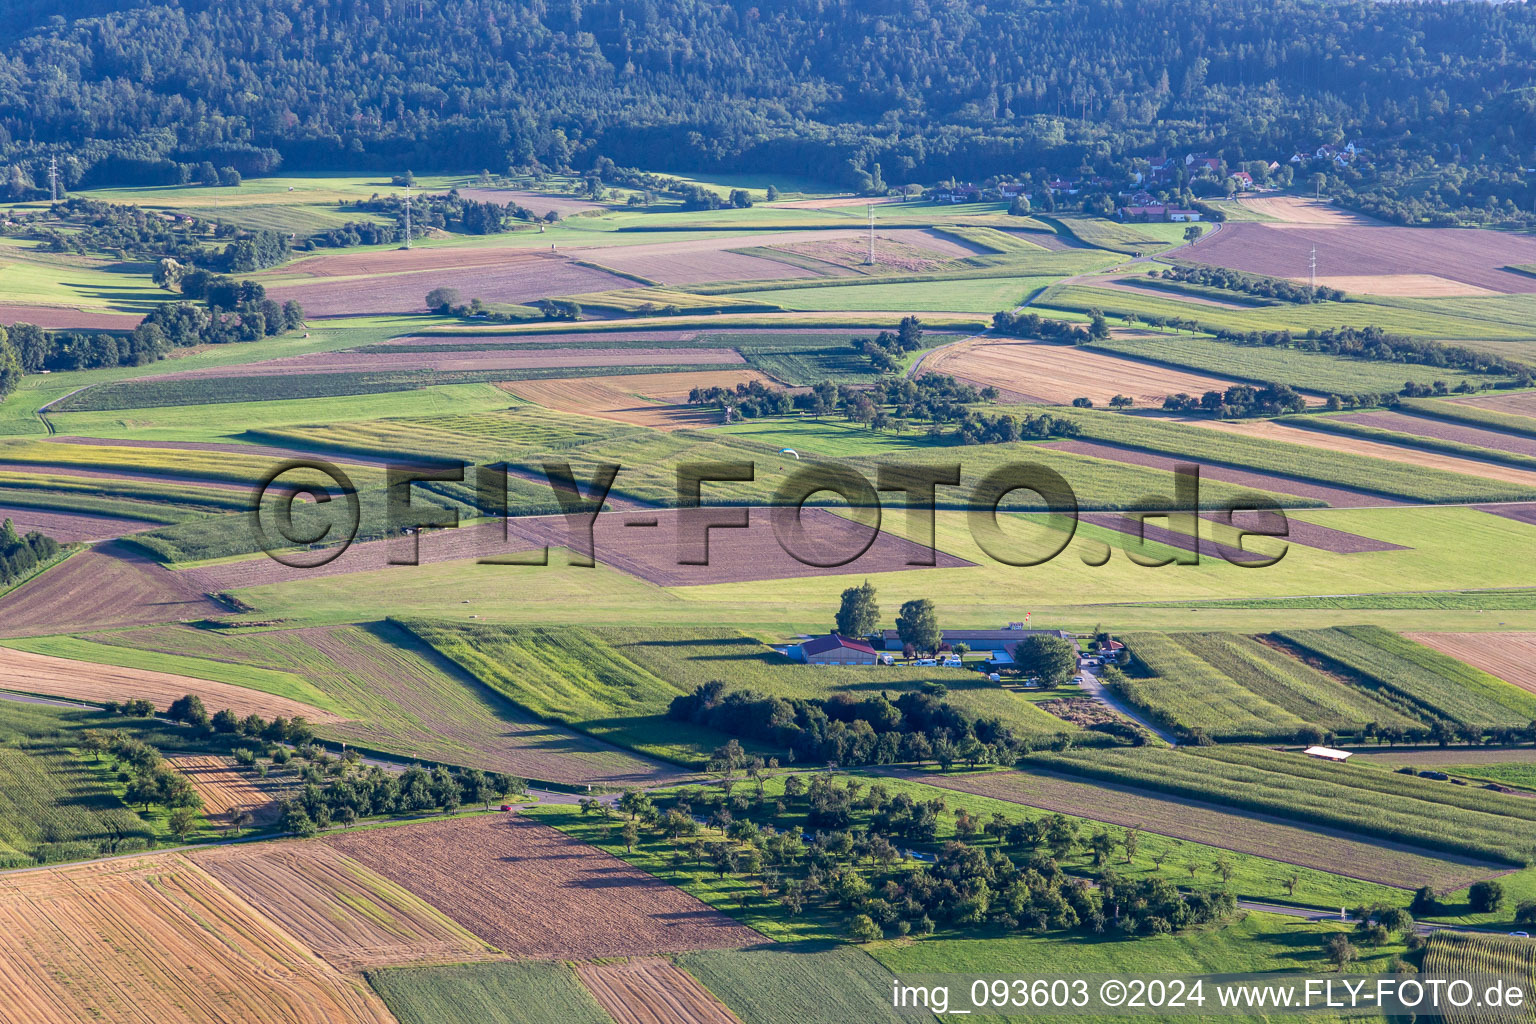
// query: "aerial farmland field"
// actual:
[[728, 515]]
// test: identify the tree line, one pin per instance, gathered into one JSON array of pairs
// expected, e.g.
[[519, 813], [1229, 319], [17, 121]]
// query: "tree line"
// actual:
[[231, 311]]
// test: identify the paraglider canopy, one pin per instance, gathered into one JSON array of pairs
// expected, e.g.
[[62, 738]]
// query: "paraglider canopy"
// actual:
[[790, 451]]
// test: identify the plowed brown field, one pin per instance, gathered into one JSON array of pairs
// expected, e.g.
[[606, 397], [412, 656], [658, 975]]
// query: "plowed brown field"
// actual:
[[535, 892], [652, 991], [1522, 404], [1306, 846], [352, 917], [155, 939], [106, 586], [225, 788], [1510, 656], [1059, 373], [1375, 449], [699, 260], [83, 680], [479, 359], [66, 318], [624, 397], [1468, 256], [71, 527]]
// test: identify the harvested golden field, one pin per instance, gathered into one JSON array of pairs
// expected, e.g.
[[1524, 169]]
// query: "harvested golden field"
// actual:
[[535, 892], [82, 680], [1296, 210], [1375, 449], [352, 917], [1046, 372], [650, 400], [1510, 656], [1424, 286], [156, 940], [226, 789], [652, 991]]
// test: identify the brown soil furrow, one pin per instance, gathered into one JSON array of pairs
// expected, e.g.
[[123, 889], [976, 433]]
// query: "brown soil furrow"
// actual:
[[455, 361], [1510, 656], [1467, 255], [652, 991], [109, 585], [655, 552], [1316, 847], [1376, 449], [1060, 373], [71, 527], [64, 318], [226, 788], [1424, 426], [345, 913], [156, 939], [1273, 483], [25, 672], [533, 891]]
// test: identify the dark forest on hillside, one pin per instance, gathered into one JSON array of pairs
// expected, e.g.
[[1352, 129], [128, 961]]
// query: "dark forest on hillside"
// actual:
[[856, 94]]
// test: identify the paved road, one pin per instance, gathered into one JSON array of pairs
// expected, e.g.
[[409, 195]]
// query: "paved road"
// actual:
[[53, 702], [1094, 687]]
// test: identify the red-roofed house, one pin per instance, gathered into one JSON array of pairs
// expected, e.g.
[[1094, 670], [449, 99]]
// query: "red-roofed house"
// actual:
[[834, 650]]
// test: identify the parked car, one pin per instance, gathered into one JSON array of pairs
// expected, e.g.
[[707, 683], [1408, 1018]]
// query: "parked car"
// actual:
[[925, 662]]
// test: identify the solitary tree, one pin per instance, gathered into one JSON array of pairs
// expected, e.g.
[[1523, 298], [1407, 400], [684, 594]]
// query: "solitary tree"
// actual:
[[183, 821], [1192, 234], [918, 625], [859, 613], [441, 300], [1341, 952]]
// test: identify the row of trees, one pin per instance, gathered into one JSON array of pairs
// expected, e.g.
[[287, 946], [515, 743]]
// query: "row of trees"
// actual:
[[231, 312], [1240, 400], [1250, 284], [374, 792]]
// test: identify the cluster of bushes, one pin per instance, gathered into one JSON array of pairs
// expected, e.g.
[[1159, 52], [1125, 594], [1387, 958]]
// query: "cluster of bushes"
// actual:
[[1251, 284], [886, 348], [376, 792], [1378, 345], [749, 399], [362, 232], [20, 555], [1033, 325], [919, 726], [1240, 400]]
